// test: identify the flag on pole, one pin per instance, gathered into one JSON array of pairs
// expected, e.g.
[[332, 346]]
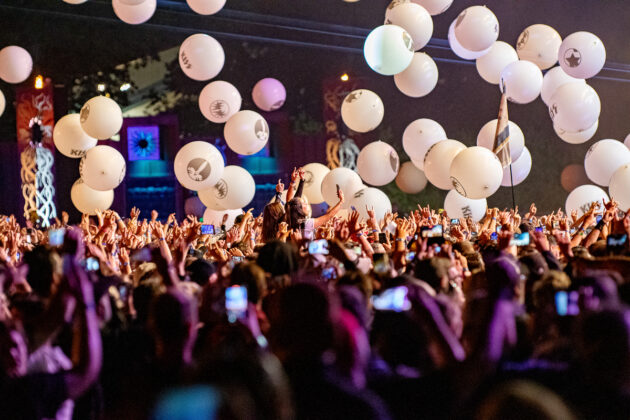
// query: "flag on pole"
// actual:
[[501, 146]]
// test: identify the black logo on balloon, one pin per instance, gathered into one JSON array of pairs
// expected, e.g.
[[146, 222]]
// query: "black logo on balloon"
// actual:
[[354, 96], [359, 193], [262, 130], [277, 105], [185, 60], [308, 177], [395, 3], [466, 211], [81, 164], [198, 169], [522, 40], [553, 110], [393, 161], [460, 18], [458, 187], [572, 57], [407, 40], [219, 109], [221, 189], [85, 113]]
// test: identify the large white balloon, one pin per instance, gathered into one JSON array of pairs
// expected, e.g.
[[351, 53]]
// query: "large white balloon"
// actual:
[[388, 49], [577, 137], [575, 107], [269, 94], [460, 207], [246, 132], [410, 179], [219, 100], [201, 57], [553, 79], [626, 140], [16, 64], [102, 168], [362, 110], [437, 162], [460, 51], [3, 103], [539, 44], [134, 14], [490, 65], [419, 136], [582, 197], [348, 180], [87, 200], [435, 7], [619, 188], [314, 174], [476, 28], [420, 78], [206, 7], [378, 163], [485, 138], [74, 1], [235, 189], [215, 217], [198, 165], [69, 137], [413, 18], [101, 117], [476, 173], [372, 198], [522, 80], [603, 158], [520, 170], [582, 55]]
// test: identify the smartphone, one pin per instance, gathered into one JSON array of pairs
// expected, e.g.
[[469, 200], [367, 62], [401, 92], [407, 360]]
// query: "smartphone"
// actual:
[[539, 229], [207, 229], [520, 239], [28, 239], [236, 302], [382, 238], [329, 273], [434, 232], [237, 259], [318, 247], [616, 241], [411, 256], [454, 221], [91, 264], [55, 237], [555, 224], [394, 299], [567, 303], [381, 263]]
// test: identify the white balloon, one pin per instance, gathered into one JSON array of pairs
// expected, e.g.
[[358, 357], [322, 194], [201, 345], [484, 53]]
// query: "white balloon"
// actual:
[[575, 107], [198, 165], [476, 173], [522, 80], [539, 44], [490, 65], [434, 7], [378, 163], [520, 170], [388, 49], [582, 197], [419, 136], [348, 180], [269, 94], [16, 64], [362, 110], [215, 217], [577, 137], [235, 189], [603, 158], [206, 7], [460, 207], [69, 137], [413, 18], [87, 200], [553, 79], [626, 140], [372, 198], [460, 51], [619, 188], [219, 100], [134, 14], [75, 1], [476, 28], [485, 138], [246, 132], [582, 55], [3, 103], [410, 179], [314, 174], [101, 117], [420, 78], [201, 57], [437, 162], [102, 168]]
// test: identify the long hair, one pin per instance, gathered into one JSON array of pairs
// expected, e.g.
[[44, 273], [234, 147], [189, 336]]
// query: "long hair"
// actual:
[[295, 213], [273, 214]]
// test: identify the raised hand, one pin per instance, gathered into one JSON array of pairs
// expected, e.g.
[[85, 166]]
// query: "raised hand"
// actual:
[[279, 186]]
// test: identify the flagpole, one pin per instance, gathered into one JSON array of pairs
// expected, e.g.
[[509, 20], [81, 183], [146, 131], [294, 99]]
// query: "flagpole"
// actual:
[[512, 185]]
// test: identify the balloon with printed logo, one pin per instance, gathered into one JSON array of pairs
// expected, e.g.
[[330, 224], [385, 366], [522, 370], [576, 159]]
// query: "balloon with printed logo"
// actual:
[[603, 158], [459, 207], [374, 199], [437, 162], [198, 165], [362, 110], [201, 57], [434, 7], [235, 189], [575, 107], [619, 188], [16, 64], [314, 174], [215, 217], [522, 81], [219, 100], [582, 197], [101, 117], [378, 163], [485, 138], [419, 136], [490, 65], [269, 94], [520, 170], [348, 181], [420, 78], [388, 49], [88, 200], [576, 137], [460, 51], [413, 18], [206, 7], [410, 179], [539, 44], [476, 28], [476, 172], [552, 80], [102, 168], [69, 137], [134, 14], [246, 132], [582, 55]]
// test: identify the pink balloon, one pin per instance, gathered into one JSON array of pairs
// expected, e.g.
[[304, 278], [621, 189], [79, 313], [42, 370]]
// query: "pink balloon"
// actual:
[[15, 64], [269, 94]]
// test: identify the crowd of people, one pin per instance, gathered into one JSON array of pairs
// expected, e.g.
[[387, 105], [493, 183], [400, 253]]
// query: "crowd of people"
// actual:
[[285, 316]]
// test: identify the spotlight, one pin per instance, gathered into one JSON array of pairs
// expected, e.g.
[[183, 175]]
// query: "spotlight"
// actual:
[[101, 87], [125, 87], [39, 82], [344, 77]]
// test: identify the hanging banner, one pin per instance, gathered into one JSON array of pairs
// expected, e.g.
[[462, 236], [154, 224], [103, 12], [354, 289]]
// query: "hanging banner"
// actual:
[[35, 106]]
